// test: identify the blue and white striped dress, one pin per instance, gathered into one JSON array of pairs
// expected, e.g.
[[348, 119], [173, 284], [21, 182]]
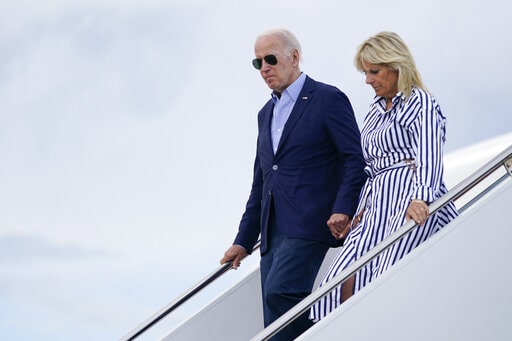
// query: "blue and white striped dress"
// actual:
[[403, 149]]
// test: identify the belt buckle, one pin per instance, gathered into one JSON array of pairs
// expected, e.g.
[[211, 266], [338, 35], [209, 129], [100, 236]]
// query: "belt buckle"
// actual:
[[410, 164]]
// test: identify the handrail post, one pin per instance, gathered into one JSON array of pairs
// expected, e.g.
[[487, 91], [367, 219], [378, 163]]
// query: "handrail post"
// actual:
[[508, 166]]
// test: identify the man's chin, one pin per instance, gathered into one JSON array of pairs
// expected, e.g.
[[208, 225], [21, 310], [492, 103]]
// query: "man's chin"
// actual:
[[274, 87]]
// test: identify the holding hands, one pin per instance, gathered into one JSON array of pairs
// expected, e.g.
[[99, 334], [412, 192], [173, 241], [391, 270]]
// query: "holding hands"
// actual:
[[339, 224]]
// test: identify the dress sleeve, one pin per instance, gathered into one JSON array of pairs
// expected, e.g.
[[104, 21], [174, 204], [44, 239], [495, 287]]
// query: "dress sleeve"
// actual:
[[429, 130]]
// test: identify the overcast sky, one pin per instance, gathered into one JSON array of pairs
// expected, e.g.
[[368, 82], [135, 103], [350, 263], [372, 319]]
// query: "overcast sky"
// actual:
[[127, 135]]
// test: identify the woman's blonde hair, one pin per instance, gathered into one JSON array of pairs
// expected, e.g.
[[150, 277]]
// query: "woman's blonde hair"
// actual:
[[388, 49]]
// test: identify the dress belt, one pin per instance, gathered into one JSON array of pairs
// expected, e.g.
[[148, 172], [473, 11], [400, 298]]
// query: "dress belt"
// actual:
[[404, 163]]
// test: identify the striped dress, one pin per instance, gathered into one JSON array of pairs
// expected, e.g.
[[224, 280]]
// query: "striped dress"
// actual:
[[403, 149]]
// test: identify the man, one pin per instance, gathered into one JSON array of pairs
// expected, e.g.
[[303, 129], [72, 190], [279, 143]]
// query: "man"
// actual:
[[308, 173]]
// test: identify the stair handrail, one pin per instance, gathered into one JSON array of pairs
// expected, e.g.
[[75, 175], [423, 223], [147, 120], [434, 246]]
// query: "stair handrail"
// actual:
[[184, 297], [502, 159]]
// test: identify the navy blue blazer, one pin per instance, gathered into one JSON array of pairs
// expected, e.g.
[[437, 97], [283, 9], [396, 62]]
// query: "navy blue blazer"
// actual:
[[318, 168]]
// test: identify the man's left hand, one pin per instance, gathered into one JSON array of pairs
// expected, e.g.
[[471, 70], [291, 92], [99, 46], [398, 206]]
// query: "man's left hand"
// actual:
[[339, 224]]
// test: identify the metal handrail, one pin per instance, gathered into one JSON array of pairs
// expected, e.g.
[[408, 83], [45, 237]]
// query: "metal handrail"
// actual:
[[184, 297], [305, 304], [502, 159]]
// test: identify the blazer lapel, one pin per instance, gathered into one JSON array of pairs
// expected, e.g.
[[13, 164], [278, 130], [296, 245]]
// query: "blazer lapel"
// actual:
[[267, 129], [298, 109]]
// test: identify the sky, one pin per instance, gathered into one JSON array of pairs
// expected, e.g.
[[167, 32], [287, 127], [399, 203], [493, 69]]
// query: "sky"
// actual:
[[127, 136]]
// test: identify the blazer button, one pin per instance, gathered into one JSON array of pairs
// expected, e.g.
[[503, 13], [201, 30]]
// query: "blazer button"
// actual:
[[274, 167]]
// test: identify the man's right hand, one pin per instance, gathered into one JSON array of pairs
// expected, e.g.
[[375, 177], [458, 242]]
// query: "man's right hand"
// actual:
[[235, 253]]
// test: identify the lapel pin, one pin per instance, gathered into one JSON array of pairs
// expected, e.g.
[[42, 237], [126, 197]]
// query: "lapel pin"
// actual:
[[305, 97]]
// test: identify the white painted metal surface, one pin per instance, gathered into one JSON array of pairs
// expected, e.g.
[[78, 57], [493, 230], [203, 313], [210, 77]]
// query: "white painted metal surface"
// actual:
[[455, 286], [236, 314]]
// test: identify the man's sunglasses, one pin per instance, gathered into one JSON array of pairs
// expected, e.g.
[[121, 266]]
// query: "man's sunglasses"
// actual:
[[269, 59]]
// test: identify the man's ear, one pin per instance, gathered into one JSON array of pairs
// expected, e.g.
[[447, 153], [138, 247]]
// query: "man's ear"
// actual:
[[295, 57]]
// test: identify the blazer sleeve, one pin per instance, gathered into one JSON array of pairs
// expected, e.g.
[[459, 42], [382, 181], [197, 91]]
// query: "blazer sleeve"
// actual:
[[249, 228], [343, 130]]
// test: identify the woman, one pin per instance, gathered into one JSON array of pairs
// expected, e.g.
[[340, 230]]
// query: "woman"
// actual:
[[402, 140]]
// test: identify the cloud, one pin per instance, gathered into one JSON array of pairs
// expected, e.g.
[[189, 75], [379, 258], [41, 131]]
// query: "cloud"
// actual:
[[31, 248], [127, 133]]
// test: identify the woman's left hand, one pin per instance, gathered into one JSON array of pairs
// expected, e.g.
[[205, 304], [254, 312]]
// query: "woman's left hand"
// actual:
[[418, 211]]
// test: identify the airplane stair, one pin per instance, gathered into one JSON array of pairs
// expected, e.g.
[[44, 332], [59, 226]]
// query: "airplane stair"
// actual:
[[455, 286]]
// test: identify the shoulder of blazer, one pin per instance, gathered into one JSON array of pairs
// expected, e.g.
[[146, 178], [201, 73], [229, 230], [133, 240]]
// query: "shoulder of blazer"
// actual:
[[311, 86]]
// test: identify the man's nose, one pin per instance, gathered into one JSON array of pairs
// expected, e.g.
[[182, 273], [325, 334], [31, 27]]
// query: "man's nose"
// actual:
[[265, 66]]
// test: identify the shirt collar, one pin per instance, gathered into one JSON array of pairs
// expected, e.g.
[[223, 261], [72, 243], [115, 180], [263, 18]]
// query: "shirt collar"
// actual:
[[294, 89], [398, 97]]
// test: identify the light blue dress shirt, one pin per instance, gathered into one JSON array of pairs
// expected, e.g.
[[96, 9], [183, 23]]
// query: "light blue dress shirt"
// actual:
[[283, 107]]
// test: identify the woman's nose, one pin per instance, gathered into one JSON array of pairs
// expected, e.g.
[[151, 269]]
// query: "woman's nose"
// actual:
[[369, 79]]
